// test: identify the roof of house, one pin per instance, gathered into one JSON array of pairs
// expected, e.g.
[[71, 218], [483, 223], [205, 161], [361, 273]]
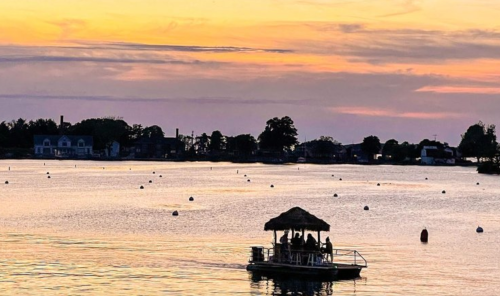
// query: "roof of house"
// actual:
[[38, 139]]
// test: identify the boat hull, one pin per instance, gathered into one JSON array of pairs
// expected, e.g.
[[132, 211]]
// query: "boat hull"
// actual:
[[333, 272]]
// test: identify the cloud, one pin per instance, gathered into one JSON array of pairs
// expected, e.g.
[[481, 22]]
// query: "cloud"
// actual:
[[453, 89], [373, 112], [408, 6], [189, 100], [171, 47], [52, 59]]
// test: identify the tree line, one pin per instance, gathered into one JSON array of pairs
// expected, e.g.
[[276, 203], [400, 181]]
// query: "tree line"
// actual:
[[278, 139]]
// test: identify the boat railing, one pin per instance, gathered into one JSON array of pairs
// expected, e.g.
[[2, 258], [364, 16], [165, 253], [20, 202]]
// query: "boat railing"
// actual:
[[345, 256], [304, 257]]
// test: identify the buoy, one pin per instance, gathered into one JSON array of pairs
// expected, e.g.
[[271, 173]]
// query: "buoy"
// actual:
[[175, 213], [340, 179], [191, 198], [48, 173], [142, 187], [248, 180], [161, 176], [154, 173], [426, 179], [335, 195], [48, 177], [424, 236], [378, 184], [272, 186], [443, 192], [366, 208], [6, 182], [477, 183], [244, 175], [479, 229], [333, 175], [150, 181]]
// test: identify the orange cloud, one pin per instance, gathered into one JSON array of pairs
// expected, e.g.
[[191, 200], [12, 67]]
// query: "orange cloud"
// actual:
[[450, 89], [362, 111]]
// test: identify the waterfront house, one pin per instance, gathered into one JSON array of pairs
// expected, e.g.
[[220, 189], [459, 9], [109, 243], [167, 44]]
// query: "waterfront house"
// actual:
[[434, 155], [63, 146], [158, 147]]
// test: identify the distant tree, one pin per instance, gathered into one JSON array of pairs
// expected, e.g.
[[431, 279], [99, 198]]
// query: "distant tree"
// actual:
[[390, 149], [19, 136], [153, 131], [202, 143], [103, 130], [479, 141], [245, 144], [278, 134], [217, 141], [324, 147], [4, 134], [371, 146], [187, 140]]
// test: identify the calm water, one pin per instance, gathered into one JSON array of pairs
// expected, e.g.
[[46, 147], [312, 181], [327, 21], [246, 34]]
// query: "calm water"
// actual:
[[90, 230]]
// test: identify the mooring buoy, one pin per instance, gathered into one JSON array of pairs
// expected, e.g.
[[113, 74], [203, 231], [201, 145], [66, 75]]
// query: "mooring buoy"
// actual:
[[6, 182], [426, 179], [161, 176], [248, 180], [150, 181], [479, 229], [477, 183], [48, 177], [272, 186], [154, 173], [142, 187], [175, 213], [335, 195], [366, 208], [48, 173], [443, 192], [378, 184], [191, 198], [340, 179], [244, 175], [424, 236]]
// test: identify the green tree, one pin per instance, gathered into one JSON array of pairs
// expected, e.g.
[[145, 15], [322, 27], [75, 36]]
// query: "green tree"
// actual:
[[324, 147], [371, 146], [103, 130], [278, 134]]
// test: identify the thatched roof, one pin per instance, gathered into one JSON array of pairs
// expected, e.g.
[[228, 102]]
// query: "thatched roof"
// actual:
[[297, 218]]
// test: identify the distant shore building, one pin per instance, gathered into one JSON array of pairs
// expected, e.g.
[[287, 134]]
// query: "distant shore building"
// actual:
[[63, 146], [159, 147], [433, 155]]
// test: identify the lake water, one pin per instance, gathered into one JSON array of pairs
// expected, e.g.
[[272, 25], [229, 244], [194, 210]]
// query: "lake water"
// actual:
[[90, 230]]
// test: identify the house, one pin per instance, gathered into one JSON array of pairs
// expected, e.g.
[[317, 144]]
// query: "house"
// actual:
[[63, 146], [159, 147], [113, 150], [434, 155]]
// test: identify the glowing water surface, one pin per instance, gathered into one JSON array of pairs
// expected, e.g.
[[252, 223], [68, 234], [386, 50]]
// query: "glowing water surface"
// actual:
[[90, 230]]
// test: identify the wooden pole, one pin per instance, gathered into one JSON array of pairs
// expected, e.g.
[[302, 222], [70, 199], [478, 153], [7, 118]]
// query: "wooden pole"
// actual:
[[275, 237], [319, 239]]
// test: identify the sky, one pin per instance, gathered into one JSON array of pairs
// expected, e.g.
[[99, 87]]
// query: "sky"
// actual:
[[402, 69]]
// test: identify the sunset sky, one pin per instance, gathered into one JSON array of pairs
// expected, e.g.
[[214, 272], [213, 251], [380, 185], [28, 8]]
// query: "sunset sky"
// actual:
[[403, 69]]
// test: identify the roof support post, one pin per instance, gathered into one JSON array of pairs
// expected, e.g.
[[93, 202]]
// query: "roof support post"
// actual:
[[319, 239]]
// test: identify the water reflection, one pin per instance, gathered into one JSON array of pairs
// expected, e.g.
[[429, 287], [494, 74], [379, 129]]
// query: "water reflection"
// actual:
[[287, 285]]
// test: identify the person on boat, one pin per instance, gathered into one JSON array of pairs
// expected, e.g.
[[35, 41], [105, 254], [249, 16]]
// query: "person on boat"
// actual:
[[328, 248], [311, 244], [285, 249], [296, 242]]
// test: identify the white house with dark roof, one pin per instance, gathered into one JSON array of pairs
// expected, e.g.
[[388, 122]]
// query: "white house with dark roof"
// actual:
[[63, 145]]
